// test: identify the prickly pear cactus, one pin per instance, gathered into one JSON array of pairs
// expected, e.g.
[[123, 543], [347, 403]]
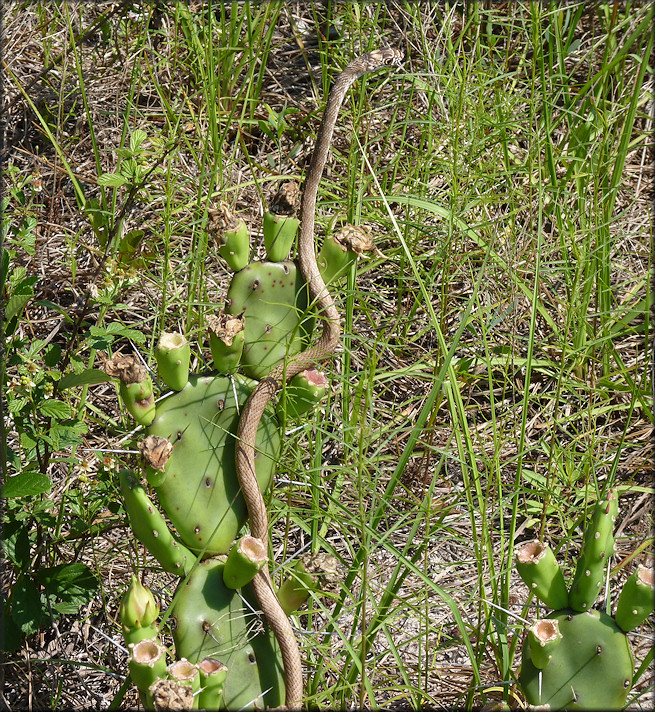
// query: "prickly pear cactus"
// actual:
[[224, 653], [578, 657]]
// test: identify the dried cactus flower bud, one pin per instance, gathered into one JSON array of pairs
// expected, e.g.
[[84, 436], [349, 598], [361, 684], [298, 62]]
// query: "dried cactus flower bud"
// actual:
[[155, 451], [126, 368], [171, 695], [286, 200], [357, 238]]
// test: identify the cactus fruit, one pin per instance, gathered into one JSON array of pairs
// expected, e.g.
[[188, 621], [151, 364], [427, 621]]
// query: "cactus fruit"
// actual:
[[213, 674], [591, 668], [247, 556], [172, 355], [303, 392], [135, 387], [543, 639], [213, 621], [147, 663], [280, 224], [536, 565], [313, 572], [231, 236], [341, 250], [578, 657], [226, 339]]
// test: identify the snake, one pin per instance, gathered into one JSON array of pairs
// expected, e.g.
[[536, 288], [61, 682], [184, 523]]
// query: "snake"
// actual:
[[326, 345]]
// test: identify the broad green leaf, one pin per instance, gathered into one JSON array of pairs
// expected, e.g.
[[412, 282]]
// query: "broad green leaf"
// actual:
[[71, 583], [54, 409], [27, 484], [89, 376], [67, 434], [26, 609], [137, 138], [112, 180]]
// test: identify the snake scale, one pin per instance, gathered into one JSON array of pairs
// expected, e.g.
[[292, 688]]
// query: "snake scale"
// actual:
[[266, 389]]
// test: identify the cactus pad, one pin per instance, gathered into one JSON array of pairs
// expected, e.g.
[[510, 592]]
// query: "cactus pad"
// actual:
[[213, 621], [272, 296], [201, 493], [592, 669]]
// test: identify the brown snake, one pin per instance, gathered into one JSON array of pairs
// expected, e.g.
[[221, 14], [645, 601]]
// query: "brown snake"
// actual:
[[266, 389]]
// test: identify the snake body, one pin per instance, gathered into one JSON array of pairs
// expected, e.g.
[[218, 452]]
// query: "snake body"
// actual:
[[266, 389]]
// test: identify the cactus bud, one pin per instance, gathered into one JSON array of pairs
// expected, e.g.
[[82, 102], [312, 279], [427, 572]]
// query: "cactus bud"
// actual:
[[172, 355], [138, 606]]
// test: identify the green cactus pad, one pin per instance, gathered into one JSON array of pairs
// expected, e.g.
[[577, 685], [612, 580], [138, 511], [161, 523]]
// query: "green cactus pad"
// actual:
[[279, 234], [536, 565], [213, 621], [151, 529], [201, 493], [597, 548], [172, 355], [591, 669], [272, 296], [637, 599]]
